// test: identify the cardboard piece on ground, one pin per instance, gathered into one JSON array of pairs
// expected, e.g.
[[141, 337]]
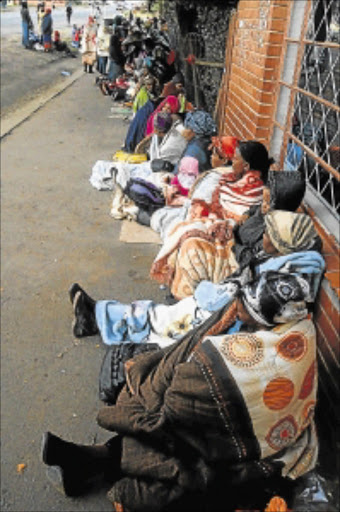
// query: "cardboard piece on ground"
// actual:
[[134, 233]]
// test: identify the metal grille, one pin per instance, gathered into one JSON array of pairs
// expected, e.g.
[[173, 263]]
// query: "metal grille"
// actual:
[[311, 137]]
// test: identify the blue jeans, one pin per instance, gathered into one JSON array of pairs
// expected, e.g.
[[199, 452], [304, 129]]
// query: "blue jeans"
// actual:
[[114, 71], [102, 65], [25, 34]]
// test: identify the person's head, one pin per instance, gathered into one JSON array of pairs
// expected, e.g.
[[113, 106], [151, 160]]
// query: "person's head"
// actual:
[[287, 232], [163, 25], [149, 83], [91, 20], [198, 124], [170, 105], [178, 81], [162, 123], [223, 150], [24, 5], [251, 155], [284, 191], [273, 298], [188, 169]]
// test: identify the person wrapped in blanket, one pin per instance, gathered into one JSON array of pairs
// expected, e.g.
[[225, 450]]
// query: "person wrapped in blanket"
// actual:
[[179, 142], [200, 247], [290, 244], [163, 148], [225, 406]]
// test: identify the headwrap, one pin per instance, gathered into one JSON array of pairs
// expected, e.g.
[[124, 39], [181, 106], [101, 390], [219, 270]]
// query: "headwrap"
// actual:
[[188, 172], [174, 105], [226, 146], [201, 123], [287, 189], [275, 297], [290, 232], [162, 121]]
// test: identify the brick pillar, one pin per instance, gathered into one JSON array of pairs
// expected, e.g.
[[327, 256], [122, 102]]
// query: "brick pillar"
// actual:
[[255, 68]]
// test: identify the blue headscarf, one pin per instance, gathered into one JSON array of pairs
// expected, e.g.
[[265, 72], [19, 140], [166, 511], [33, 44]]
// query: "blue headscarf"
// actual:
[[201, 123]]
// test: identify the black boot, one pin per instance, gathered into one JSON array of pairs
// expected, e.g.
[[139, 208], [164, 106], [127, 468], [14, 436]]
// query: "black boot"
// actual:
[[90, 69], [84, 323], [75, 468], [76, 288], [85, 68]]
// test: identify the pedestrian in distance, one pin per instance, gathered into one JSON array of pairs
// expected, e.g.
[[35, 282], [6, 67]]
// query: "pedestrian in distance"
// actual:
[[47, 28], [69, 11], [27, 24]]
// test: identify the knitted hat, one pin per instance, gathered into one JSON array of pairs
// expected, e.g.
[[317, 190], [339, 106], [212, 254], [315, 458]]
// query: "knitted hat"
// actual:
[[162, 121], [290, 232]]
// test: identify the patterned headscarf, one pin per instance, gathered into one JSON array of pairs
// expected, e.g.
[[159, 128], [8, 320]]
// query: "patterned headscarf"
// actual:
[[287, 189], [162, 121], [201, 123], [290, 232], [276, 298], [169, 100]]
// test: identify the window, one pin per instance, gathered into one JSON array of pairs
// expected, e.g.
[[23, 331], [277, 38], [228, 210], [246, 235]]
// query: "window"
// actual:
[[306, 133]]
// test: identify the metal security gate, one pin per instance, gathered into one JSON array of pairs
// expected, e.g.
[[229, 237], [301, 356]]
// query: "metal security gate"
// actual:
[[306, 132]]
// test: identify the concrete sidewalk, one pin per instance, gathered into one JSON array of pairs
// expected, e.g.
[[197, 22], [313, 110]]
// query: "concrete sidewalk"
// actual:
[[56, 229]]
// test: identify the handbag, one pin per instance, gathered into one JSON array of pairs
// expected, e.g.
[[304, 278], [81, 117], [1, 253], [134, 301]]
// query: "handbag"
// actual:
[[112, 372], [144, 194], [158, 165]]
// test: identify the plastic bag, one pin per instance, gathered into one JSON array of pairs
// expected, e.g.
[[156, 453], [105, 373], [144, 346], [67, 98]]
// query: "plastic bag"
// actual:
[[314, 494], [102, 177]]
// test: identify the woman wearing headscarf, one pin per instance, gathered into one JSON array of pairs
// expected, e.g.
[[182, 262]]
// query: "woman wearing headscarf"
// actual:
[[201, 246], [144, 321], [199, 128], [170, 105], [231, 402], [88, 45], [26, 24], [47, 27], [146, 91]]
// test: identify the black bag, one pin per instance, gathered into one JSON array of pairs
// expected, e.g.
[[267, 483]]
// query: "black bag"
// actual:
[[144, 194], [112, 372], [158, 165]]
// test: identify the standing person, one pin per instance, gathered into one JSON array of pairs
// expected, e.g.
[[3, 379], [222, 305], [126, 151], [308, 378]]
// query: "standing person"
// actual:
[[26, 24], [40, 15], [69, 13], [117, 59], [47, 27], [103, 44], [89, 45]]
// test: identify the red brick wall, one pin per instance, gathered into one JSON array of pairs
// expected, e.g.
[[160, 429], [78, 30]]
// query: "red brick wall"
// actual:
[[255, 67], [250, 97]]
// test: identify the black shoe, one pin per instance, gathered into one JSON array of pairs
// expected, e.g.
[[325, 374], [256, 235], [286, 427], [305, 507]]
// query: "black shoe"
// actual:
[[84, 323], [76, 288], [75, 468]]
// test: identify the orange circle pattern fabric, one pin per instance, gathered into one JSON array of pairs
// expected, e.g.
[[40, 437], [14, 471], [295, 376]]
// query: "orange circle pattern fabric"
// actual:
[[293, 346], [308, 382], [243, 350], [282, 434], [278, 393]]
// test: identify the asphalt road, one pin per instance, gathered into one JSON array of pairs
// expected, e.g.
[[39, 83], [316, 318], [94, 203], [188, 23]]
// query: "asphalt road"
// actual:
[[55, 229]]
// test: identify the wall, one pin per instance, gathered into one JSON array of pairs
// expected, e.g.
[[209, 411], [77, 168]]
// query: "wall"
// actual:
[[209, 22], [250, 101]]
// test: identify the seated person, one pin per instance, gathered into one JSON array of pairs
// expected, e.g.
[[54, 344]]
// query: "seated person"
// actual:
[[200, 246], [144, 321], [146, 91], [215, 406], [59, 45]]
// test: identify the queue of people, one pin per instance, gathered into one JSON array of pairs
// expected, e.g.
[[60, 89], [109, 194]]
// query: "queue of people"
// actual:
[[230, 394]]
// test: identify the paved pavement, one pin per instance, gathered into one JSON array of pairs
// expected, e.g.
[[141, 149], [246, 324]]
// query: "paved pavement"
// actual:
[[55, 230]]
